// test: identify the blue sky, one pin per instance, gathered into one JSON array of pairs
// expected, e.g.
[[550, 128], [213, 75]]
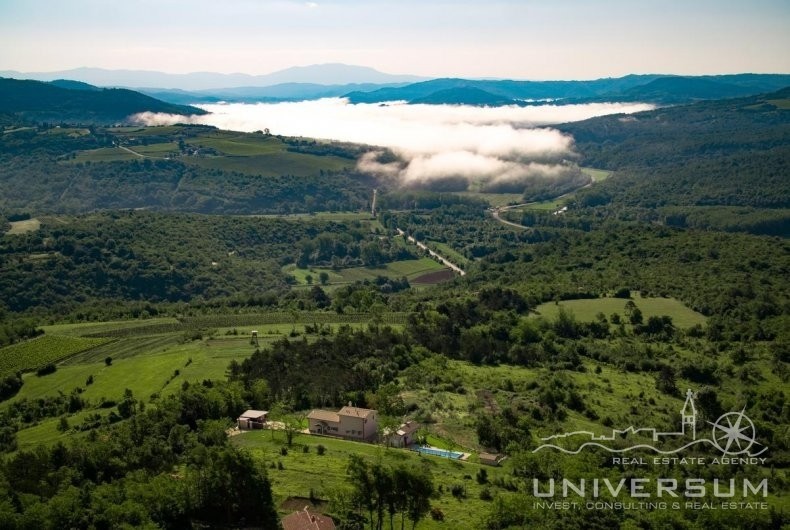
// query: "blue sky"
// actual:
[[560, 39]]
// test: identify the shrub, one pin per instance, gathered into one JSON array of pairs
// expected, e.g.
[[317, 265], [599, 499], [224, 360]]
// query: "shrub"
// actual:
[[320, 449], [47, 369]]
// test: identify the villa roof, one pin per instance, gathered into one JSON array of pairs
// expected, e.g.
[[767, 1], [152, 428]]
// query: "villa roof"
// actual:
[[356, 411], [324, 415]]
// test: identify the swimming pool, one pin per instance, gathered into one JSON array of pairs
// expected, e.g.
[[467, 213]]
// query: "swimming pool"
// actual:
[[437, 452]]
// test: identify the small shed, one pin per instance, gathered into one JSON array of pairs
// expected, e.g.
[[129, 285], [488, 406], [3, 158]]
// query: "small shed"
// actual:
[[491, 459], [253, 419]]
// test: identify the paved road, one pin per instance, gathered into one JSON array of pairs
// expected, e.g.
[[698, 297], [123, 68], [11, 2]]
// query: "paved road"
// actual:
[[496, 211], [441, 258]]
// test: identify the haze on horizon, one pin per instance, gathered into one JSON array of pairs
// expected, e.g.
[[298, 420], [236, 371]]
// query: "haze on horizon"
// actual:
[[518, 39]]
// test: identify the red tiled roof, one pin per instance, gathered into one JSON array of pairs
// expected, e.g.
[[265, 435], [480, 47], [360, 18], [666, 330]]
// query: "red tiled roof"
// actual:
[[356, 412], [305, 520]]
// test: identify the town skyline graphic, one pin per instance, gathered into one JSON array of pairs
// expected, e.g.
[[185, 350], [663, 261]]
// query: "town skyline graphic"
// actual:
[[733, 433]]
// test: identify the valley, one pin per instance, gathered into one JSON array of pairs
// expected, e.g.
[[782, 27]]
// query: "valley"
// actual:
[[159, 281]]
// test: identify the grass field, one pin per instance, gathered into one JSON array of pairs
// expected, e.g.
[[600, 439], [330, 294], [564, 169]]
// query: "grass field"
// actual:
[[104, 154], [586, 310], [162, 130], [326, 474], [23, 227], [160, 150], [597, 175], [448, 252], [239, 145], [281, 163], [252, 154], [410, 269]]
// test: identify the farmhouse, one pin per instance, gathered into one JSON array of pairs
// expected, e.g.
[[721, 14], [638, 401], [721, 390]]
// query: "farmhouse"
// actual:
[[252, 419], [403, 435], [305, 520], [349, 422]]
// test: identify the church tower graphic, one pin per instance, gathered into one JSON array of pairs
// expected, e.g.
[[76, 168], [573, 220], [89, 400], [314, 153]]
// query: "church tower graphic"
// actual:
[[689, 416]]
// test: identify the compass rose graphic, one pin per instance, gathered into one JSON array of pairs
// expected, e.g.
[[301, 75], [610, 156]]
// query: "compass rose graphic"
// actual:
[[733, 433]]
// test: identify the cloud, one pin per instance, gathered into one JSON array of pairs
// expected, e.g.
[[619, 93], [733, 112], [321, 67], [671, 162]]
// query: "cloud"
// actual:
[[311, 5], [449, 143]]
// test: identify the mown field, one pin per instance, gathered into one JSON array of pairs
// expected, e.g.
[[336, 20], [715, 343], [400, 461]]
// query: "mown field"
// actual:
[[586, 310]]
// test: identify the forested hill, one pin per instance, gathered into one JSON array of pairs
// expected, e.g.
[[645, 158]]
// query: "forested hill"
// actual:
[[39, 101], [716, 153], [661, 89]]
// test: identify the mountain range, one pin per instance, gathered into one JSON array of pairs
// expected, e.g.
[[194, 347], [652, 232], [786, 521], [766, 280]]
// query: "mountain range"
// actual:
[[78, 100], [321, 74]]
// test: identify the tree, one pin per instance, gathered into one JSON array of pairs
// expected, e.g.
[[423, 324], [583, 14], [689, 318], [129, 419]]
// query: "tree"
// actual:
[[418, 495], [665, 382], [323, 277], [362, 481]]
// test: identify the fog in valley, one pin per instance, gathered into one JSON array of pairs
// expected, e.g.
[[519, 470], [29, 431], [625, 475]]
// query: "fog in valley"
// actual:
[[492, 148]]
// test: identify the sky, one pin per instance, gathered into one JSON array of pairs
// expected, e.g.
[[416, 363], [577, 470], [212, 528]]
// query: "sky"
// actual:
[[517, 39]]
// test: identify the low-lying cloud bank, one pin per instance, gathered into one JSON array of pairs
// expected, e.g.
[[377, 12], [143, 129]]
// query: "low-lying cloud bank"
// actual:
[[451, 146]]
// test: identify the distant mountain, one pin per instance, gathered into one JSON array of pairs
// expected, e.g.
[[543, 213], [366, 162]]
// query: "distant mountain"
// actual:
[[647, 88], [683, 90], [464, 96], [274, 93], [48, 102], [323, 74], [514, 90], [73, 85]]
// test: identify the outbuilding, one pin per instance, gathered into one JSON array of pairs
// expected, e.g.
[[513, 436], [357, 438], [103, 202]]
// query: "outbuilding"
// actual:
[[252, 419]]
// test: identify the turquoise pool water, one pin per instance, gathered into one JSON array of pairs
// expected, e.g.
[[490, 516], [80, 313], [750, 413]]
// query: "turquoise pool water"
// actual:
[[437, 452]]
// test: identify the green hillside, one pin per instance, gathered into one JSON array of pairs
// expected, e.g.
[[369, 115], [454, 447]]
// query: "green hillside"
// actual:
[[59, 101]]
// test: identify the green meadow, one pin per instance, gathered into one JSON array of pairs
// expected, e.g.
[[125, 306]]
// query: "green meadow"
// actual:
[[586, 310]]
